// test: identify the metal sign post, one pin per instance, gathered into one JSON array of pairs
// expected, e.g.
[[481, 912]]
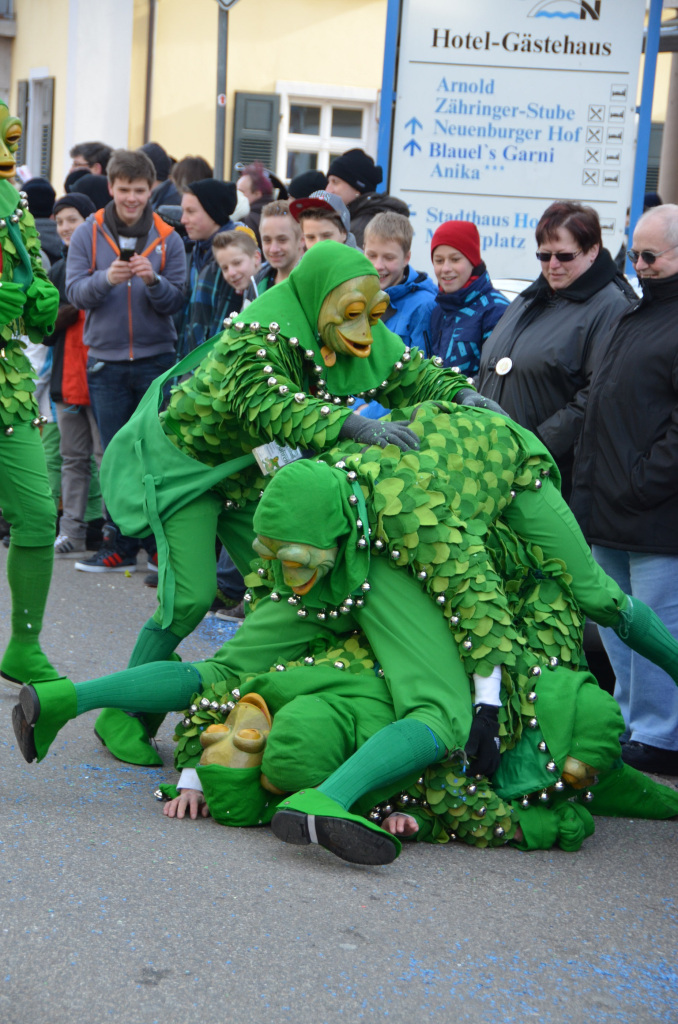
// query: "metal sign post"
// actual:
[[222, 60]]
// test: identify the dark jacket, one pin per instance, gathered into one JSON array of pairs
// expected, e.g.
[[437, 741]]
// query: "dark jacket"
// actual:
[[66, 316], [253, 218], [165, 194], [550, 338], [50, 243], [262, 281], [367, 206], [625, 491], [462, 321]]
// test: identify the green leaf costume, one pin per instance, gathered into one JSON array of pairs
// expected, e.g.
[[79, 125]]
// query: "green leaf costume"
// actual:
[[28, 306]]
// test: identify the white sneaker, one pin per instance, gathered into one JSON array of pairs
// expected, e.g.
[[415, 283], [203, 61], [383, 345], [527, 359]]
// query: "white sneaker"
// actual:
[[64, 547]]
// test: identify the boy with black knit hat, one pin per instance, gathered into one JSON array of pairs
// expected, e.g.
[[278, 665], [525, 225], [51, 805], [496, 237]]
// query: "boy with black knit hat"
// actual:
[[354, 177], [207, 207]]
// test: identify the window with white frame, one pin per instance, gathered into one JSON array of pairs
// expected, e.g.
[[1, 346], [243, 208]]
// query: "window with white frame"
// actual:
[[320, 122]]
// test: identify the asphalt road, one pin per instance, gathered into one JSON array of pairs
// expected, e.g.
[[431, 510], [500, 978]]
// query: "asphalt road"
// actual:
[[112, 912]]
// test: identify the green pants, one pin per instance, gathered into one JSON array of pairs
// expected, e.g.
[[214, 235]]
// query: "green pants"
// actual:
[[25, 495], [409, 636], [543, 517], [191, 536]]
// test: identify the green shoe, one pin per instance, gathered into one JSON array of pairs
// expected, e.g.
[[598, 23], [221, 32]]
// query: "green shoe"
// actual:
[[311, 817], [26, 663], [41, 712], [126, 737]]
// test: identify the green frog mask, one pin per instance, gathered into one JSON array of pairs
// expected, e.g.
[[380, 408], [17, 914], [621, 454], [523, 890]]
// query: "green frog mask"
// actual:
[[10, 133], [347, 316], [302, 564]]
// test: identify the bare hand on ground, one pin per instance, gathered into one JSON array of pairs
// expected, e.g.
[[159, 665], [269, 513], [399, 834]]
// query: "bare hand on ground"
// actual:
[[190, 800], [399, 824]]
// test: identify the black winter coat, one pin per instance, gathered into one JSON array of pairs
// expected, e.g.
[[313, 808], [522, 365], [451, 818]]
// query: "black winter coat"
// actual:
[[550, 338], [625, 492]]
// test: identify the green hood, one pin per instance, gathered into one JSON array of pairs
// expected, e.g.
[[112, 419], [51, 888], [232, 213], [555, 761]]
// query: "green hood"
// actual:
[[309, 502], [295, 305]]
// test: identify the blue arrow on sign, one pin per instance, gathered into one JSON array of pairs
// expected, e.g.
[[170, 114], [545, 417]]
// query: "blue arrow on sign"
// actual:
[[413, 123], [412, 145]]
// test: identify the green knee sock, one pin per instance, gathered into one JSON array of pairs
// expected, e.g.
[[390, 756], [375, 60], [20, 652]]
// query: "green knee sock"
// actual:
[[643, 631], [153, 644], [29, 571], [391, 754], [161, 686]]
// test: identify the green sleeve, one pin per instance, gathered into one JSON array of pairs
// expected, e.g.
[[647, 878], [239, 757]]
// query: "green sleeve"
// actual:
[[420, 380], [254, 388]]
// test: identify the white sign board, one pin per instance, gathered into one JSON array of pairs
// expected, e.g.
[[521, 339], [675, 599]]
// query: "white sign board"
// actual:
[[504, 106]]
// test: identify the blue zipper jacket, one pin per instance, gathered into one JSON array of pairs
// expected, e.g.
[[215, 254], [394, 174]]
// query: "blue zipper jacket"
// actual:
[[462, 321], [412, 302]]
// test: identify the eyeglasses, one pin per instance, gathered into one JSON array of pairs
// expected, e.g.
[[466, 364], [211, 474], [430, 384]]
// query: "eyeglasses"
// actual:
[[647, 257], [562, 257]]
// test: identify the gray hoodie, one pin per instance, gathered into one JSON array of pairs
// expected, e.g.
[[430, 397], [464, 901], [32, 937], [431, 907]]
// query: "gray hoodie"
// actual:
[[125, 321]]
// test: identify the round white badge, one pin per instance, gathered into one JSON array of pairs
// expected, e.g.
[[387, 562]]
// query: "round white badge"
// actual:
[[504, 365]]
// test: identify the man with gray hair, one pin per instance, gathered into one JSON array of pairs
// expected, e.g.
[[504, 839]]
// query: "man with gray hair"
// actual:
[[625, 490]]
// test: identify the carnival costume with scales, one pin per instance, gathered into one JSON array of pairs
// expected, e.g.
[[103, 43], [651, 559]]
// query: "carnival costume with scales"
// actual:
[[392, 587], [28, 306], [285, 371]]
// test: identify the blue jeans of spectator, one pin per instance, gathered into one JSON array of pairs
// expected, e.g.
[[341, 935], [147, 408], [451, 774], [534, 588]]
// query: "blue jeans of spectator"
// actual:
[[647, 695], [229, 578], [115, 390]]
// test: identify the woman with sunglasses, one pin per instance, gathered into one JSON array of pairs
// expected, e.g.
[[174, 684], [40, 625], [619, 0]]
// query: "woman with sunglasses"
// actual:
[[537, 363]]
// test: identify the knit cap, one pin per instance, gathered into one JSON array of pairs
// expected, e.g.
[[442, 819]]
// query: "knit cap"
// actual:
[[40, 195], [76, 201], [461, 235], [357, 169], [217, 198]]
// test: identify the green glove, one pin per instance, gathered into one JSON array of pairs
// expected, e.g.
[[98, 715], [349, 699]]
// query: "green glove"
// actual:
[[359, 428], [469, 397], [42, 305], [12, 299]]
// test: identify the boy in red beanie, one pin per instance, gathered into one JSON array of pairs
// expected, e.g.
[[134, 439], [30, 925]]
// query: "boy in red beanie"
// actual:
[[467, 306]]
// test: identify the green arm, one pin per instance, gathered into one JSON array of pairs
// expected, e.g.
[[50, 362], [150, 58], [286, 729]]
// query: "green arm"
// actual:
[[420, 380]]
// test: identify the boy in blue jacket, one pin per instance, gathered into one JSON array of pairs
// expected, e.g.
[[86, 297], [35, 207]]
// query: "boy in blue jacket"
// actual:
[[388, 241]]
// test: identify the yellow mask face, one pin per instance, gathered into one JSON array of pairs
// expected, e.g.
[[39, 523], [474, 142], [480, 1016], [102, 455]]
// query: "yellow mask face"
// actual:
[[302, 564], [347, 317], [240, 741], [578, 774], [10, 133]]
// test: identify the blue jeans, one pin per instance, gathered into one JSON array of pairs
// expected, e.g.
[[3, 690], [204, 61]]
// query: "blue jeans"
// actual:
[[647, 695], [229, 578], [115, 390]]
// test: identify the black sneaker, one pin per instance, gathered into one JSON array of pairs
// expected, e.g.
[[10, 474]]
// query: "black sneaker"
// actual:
[[151, 579], [108, 560], [235, 614], [656, 760]]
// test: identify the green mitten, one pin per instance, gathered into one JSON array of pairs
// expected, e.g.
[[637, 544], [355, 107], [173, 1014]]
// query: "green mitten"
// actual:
[[42, 305], [12, 301]]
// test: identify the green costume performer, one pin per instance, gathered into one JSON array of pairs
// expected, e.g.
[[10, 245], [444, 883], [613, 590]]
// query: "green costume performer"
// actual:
[[343, 571], [28, 306], [286, 372]]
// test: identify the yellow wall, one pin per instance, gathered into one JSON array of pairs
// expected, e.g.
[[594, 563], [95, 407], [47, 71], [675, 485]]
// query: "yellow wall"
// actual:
[[331, 42], [42, 42]]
